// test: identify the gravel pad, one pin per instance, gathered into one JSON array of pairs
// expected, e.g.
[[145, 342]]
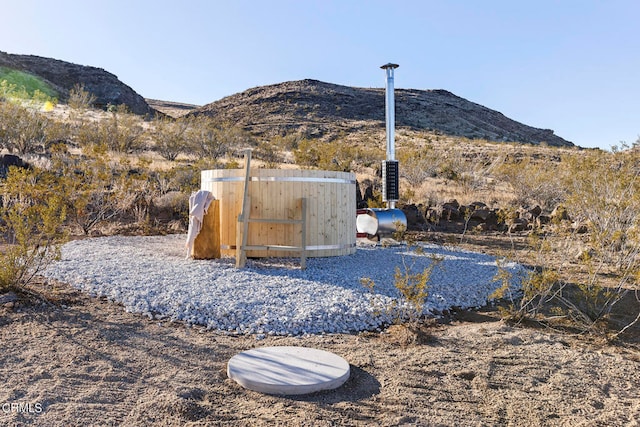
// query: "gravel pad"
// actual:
[[150, 275]]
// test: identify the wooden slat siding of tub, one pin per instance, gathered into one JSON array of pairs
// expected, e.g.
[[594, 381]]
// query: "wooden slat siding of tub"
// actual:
[[207, 243], [314, 214], [330, 209]]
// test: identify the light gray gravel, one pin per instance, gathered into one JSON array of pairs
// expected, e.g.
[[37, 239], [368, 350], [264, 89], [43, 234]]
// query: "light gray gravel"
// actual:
[[150, 275]]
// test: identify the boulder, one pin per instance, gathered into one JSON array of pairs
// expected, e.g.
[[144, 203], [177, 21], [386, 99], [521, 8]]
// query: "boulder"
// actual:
[[415, 218], [7, 160], [542, 220], [481, 214], [450, 212], [452, 203], [360, 203], [535, 211], [8, 298], [367, 194], [518, 224]]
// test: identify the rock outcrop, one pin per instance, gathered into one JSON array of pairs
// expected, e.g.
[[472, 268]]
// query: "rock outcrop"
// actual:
[[318, 109]]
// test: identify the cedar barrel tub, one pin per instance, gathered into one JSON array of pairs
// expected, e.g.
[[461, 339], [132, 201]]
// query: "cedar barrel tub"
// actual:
[[276, 194]]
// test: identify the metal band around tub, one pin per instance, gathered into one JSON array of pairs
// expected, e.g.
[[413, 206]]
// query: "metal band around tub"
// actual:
[[282, 179], [308, 248]]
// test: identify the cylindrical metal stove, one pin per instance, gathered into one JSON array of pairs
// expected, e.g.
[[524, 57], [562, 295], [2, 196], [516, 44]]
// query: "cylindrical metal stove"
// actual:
[[381, 222]]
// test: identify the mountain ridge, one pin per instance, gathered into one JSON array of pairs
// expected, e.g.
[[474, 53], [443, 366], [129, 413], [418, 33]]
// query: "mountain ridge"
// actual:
[[320, 109], [312, 108]]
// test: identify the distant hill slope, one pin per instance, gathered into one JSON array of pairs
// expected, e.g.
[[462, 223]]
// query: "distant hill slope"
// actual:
[[319, 109], [171, 108], [62, 76]]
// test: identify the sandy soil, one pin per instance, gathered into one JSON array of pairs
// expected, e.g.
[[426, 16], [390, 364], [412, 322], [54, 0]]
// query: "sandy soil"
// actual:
[[85, 361]]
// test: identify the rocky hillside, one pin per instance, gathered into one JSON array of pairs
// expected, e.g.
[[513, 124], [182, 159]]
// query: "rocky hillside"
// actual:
[[62, 76], [171, 108], [318, 109], [312, 108]]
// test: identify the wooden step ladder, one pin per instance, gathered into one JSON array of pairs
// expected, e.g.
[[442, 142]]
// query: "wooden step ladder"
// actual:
[[242, 234]]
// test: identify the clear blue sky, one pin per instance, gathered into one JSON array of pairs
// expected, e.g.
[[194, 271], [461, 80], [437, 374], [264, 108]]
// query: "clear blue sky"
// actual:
[[572, 66]]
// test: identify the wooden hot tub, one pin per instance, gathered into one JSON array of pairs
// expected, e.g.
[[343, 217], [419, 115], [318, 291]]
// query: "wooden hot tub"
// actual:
[[276, 194]]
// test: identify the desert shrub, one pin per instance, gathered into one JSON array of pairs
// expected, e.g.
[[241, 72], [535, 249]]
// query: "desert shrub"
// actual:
[[212, 140], [533, 182], [22, 130], [84, 134], [408, 195], [58, 133], [31, 218], [417, 165], [174, 204], [288, 142], [82, 129], [99, 190], [334, 155], [87, 185], [603, 191], [81, 99], [136, 190], [553, 296], [538, 287], [308, 153], [412, 286], [162, 179], [169, 136], [269, 153], [122, 132], [366, 156], [376, 201], [186, 178], [231, 164]]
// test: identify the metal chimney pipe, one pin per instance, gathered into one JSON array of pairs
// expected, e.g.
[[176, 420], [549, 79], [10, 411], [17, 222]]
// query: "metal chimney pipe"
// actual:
[[390, 173], [390, 111]]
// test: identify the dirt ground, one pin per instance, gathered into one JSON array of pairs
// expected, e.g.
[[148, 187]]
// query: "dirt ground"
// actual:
[[84, 361]]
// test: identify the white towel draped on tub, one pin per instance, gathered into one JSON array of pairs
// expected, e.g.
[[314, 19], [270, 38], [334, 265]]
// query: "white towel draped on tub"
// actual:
[[198, 205]]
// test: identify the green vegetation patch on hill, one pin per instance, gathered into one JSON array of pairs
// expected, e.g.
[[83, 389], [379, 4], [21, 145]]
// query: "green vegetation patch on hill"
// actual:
[[18, 84]]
